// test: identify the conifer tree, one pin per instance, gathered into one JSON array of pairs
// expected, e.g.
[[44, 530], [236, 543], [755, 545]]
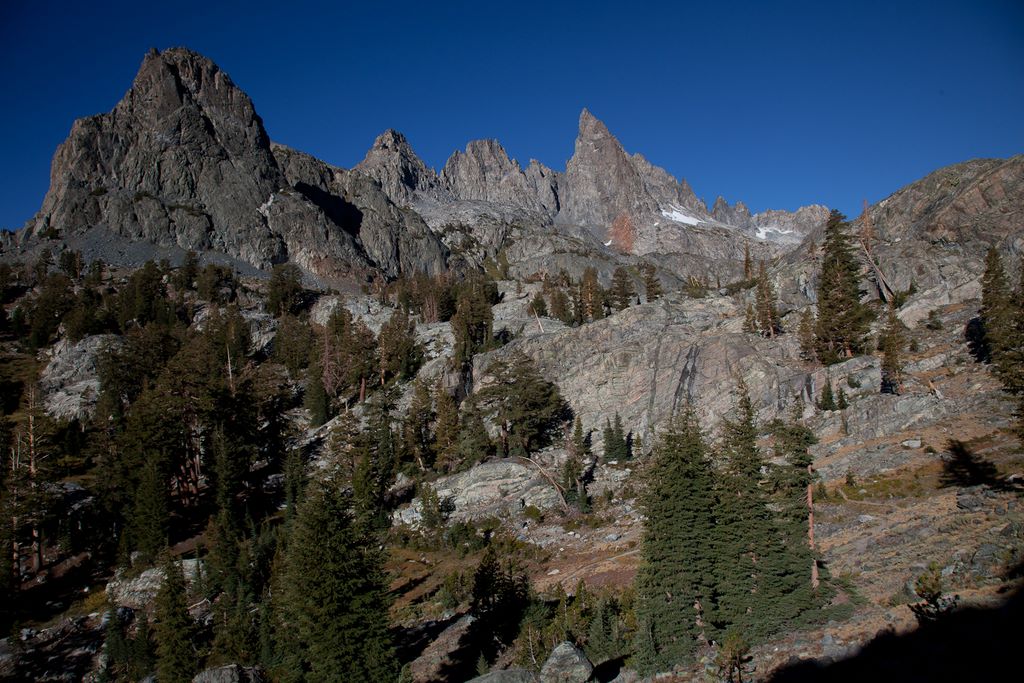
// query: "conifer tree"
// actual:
[[893, 341], [794, 572], [996, 308], [538, 306], [622, 289], [675, 579], [743, 527], [828, 399], [768, 320], [150, 515], [446, 428], [574, 470], [524, 405], [561, 309], [377, 470], [176, 658], [498, 597], [591, 295], [400, 355], [750, 319], [805, 333], [284, 293], [842, 324], [652, 285], [472, 325], [748, 265], [315, 399], [334, 601], [416, 432], [621, 439]]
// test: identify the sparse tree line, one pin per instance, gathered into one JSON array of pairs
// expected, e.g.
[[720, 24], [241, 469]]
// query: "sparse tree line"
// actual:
[[997, 337]]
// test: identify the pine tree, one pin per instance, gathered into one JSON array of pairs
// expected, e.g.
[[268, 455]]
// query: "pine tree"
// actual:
[[622, 289], [828, 399], [843, 321], [768, 320], [893, 342], [750, 319], [675, 579], [561, 308], [377, 469], [498, 598], [996, 308], [591, 295], [748, 265], [176, 658], [472, 325], [793, 573], [538, 306], [743, 528], [805, 333], [446, 428], [620, 439], [652, 285], [150, 515], [416, 432], [334, 601], [400, 355], [315, 399], [524, 405], [284, 293], [574, 470]]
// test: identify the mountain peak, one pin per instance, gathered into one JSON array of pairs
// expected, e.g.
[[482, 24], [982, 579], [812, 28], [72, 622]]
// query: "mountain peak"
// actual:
[[402, 175], [591, 126]]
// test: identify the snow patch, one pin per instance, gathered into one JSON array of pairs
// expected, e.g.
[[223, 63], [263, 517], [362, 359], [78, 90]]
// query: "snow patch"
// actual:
[[265, 206], [675, 213], [762, 231], [608, 243]]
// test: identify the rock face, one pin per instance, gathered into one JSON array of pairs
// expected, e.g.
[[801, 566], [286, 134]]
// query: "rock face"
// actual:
[[401, 174], [485, 172], [183, 161], [70, 382], [647, 361], [139, 592], [394, 240], [602, 181], [489, 489], [935, 232], [231, 673]]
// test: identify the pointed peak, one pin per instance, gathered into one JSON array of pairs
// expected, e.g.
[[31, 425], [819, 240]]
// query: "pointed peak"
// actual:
[[391, 139], [590, 124]]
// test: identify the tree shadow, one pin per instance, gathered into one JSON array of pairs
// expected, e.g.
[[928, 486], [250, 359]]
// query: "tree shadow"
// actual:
[[977, 343], [970, 644], [965, 468]]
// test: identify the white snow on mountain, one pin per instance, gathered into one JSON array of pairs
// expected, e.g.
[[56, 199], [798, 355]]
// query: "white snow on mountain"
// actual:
[[764, 230], [675, 213]]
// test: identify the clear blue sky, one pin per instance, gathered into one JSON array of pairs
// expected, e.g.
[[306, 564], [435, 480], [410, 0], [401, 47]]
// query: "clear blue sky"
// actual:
[[779, 104]]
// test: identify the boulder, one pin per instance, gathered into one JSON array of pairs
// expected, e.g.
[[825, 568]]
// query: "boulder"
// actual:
[[566, 664], [230, 673]]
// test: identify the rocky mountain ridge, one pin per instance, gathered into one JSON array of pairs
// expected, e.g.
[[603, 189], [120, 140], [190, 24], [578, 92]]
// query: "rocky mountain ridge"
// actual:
[[183, 162]]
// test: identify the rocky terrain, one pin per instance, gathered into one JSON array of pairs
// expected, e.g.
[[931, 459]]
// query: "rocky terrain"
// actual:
[[933, 474]]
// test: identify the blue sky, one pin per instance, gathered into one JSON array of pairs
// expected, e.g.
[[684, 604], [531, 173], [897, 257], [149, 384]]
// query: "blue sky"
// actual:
[[780, 104]]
